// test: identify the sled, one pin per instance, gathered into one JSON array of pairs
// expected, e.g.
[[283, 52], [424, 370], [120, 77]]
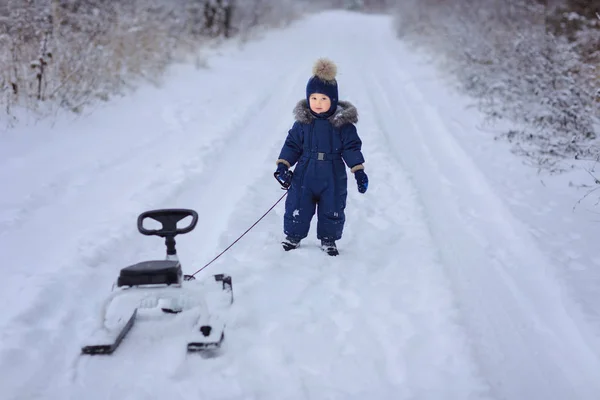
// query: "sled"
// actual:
[[158, 290]]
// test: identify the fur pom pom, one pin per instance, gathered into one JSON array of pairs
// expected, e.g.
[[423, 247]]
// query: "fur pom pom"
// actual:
[[325, 69]]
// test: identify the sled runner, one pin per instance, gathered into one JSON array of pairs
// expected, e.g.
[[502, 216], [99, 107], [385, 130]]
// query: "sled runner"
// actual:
[[157, 289]]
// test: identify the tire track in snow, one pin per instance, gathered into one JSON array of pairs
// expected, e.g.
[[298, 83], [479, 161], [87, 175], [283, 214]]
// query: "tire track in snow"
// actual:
[[520, 324], [438, 350]]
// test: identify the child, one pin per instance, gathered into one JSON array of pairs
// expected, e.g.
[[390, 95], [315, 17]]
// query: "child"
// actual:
[[321, 140]]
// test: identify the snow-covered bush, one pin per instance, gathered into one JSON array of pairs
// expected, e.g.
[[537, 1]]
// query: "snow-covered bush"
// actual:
[[69, 53], [66, 54], [508, 55]]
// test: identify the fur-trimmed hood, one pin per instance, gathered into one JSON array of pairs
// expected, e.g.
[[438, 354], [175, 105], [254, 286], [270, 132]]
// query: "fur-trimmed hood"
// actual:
[[344, 114]]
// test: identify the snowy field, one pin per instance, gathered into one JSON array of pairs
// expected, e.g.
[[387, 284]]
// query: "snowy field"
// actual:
[[461, 275]]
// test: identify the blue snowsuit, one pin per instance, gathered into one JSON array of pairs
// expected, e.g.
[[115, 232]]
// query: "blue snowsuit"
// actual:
[[320, 147]]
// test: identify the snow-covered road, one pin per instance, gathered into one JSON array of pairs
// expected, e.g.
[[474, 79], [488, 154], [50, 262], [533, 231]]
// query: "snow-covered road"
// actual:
[[440, 292]]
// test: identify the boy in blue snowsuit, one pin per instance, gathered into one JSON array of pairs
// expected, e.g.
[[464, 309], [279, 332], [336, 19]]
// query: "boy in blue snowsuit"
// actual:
[[322, 141]]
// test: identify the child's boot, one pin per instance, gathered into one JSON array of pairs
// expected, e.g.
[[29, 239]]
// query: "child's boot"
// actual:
[[290, 243], [329, 247]]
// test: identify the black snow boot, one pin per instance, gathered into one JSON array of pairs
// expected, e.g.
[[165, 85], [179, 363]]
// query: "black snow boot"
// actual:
[[290, 244], [329, 247]]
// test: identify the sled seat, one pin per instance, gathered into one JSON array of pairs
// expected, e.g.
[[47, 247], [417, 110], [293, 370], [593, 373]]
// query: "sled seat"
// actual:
[[159, 272]]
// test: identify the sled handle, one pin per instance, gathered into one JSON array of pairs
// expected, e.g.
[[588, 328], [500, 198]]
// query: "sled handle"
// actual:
[[168, 217]]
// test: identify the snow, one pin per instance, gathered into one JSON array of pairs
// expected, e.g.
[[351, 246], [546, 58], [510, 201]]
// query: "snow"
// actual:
[[461, 275]]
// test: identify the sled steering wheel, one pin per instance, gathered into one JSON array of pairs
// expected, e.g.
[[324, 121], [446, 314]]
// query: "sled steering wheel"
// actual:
[[168, 218]]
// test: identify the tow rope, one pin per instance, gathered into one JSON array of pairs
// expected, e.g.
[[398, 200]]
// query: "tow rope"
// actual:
[[189, 277]]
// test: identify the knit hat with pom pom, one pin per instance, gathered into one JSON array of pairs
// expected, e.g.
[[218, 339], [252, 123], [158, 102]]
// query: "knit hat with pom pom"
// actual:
[[323, 81]]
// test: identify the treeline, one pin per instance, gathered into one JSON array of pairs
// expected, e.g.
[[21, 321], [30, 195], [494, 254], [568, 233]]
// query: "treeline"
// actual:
[[66, 54]]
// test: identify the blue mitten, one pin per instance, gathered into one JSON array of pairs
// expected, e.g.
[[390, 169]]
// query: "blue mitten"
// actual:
[[283, 175], [361, 180]]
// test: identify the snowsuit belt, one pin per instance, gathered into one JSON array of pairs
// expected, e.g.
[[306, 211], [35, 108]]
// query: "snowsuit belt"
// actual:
[[314, 155]]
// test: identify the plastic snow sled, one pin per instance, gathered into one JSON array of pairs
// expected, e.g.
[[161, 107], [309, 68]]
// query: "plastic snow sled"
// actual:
[[157, 290]]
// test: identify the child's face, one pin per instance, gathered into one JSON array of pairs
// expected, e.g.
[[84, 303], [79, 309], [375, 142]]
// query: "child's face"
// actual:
[[319, 103]]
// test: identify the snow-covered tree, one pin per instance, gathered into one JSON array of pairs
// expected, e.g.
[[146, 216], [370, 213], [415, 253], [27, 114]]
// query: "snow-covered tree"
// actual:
[[70, 53], [511, 56]]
